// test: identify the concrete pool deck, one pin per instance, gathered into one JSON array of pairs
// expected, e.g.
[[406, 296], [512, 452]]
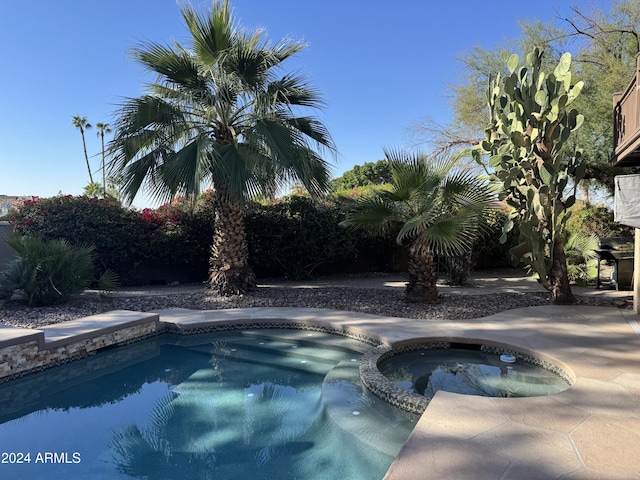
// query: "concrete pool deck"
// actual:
[[590, 431]]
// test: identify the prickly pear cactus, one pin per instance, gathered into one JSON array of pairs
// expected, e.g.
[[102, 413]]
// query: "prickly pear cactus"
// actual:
[[531, 120]]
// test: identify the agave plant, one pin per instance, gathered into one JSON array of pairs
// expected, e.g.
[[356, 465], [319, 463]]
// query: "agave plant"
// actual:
[[437, 208], [46, 273]]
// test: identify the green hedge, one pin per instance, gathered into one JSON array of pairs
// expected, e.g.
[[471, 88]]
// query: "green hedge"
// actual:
[[297, 237], [180, 239], [294, 237], [126, 241], [119, 236]]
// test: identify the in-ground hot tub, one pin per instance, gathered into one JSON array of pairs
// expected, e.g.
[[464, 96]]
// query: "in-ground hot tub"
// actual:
[[410, 375]]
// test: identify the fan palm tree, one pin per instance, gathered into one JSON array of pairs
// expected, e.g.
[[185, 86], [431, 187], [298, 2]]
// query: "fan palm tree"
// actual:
[[220, 114], [435, 207], [81, 124], [102, 129]]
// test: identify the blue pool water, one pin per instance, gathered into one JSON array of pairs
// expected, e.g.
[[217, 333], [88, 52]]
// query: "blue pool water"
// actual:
[[469, 371], [263, 404]]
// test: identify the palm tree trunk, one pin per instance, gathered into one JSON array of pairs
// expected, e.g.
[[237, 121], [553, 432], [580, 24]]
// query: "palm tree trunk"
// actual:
[[585, 191], [86, 157], [422, 275], [230, 272], [104, 183], [558, 277]]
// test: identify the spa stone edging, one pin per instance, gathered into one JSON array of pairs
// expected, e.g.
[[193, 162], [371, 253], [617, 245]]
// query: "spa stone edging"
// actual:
[[388, 391]]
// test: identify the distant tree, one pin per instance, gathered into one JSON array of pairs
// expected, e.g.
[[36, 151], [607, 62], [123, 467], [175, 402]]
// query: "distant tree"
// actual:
[[102, 129], [603, 45], [81, 124], [114, 187], [93, 189], [370, 173]]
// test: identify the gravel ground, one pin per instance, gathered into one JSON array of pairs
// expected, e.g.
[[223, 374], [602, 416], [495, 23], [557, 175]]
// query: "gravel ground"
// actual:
[[387, 302]]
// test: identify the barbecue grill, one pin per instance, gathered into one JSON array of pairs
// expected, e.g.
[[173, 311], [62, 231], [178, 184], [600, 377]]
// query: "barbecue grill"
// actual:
[[619, 251]]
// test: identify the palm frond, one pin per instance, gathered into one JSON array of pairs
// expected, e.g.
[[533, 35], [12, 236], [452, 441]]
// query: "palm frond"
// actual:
[[248, 63], [220, 110], [312, 170], [46, 273], [229, 169], [277, 138], [183, 171], [373, 214], [315, 130], [292, 90], [175, 67], [580, 250], [212, 34], [415, 225], [151, 119], [288, 150], [448, 236], [108, 281], [136, 173], [286, 48], [412, 176]]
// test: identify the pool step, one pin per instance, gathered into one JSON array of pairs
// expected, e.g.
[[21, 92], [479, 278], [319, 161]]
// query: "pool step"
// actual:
[[304, 355], [361, 415]]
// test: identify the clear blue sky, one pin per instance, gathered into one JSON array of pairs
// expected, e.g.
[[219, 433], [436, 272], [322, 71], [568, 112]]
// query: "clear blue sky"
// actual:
[[380, 65]]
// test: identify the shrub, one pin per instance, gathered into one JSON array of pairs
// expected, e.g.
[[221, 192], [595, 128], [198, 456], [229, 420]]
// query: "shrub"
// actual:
[[295, 236], [181, 238], [120, 238], [594, 220], [46, 273], [489, 252], [359, 191]]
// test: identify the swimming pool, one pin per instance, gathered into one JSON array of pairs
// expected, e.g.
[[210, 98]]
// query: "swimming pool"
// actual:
[[251, 404]]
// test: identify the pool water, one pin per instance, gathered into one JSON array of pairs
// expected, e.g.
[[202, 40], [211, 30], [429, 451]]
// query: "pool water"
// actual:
[[469, 371], [272, 404]]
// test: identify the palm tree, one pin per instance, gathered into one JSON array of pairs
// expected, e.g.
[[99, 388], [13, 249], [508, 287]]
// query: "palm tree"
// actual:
[[219, 114], [436, 208], [81, 124], [102, 129], [92, 190]]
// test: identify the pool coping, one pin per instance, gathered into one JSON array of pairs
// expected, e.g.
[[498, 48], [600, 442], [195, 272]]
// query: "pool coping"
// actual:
[[585, 432], [377, 383]]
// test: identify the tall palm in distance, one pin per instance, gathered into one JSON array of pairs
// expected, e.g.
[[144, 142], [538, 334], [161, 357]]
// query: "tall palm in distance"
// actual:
[[81, 124], [435, 207], [102, 129], [220, 113]]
